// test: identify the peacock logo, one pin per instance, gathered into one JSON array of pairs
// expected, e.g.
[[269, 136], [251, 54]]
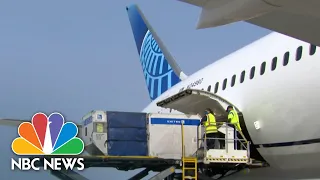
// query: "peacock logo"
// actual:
[[47, 136]]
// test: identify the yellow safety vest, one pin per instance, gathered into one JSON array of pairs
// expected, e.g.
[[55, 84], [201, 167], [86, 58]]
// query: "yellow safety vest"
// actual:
[[210, 124], [233, 115]]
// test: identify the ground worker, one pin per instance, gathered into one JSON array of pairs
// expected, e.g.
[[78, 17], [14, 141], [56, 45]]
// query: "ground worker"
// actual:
[[211, 129], [234, 120]]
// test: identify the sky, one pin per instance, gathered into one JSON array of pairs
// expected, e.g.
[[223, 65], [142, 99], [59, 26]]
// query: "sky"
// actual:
[[76, 56]]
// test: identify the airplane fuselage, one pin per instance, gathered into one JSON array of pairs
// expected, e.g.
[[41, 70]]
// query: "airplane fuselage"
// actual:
[[281, 94]]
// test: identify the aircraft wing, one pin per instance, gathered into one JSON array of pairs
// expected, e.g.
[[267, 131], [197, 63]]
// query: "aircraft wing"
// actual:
[[17, 122], [297, 26], [299, 19], [12, 122]]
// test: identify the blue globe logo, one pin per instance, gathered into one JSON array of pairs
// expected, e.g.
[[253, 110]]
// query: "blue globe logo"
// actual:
[[152, 59], [158, 73]]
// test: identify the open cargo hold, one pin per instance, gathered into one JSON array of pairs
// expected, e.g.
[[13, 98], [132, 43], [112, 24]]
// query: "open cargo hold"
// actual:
[[139, 134]]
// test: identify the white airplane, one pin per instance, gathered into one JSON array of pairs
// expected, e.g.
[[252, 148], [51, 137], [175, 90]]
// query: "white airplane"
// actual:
[[295, 18], [274, 82]]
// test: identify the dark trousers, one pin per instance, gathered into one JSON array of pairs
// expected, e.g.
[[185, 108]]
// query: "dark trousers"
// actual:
[[211, 142], [237, 143], [237, 136]]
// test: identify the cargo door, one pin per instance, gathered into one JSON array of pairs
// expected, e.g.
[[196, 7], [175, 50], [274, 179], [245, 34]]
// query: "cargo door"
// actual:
[[192, 101]]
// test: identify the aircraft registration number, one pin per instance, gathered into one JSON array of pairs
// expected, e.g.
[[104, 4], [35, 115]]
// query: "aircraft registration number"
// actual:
[[193, 84]]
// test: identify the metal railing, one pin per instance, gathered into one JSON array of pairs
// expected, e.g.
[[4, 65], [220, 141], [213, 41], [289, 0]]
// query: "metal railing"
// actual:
[[244, 144], [182, 139]]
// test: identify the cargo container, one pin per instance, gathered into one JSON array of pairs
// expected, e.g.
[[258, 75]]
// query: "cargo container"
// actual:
[[115, 133], [139, 134], [165, 135]]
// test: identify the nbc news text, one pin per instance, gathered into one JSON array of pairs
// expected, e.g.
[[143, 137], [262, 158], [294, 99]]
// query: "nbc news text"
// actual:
[[26, 164]]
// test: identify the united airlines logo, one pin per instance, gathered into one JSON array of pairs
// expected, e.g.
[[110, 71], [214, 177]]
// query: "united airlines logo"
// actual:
[[158, 73]]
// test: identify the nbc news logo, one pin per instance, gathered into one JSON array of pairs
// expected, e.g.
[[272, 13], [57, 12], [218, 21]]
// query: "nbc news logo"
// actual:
[[47, 136]]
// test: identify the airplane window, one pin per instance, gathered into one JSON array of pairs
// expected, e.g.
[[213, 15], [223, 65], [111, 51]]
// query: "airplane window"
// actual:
[[243, 73], [274, 64], [216, 87], [224, 84], [286, 59], [209, 88], [233, 80], [262, 68], [312, 49], [252, 72], [299, 53]]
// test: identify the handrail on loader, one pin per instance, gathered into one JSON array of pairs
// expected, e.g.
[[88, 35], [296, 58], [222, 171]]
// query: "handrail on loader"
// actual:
[[244, 144]]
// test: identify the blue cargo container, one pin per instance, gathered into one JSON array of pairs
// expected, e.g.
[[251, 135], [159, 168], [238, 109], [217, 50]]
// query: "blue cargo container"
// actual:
[[127, 134], [127, 148], [126, 119]]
